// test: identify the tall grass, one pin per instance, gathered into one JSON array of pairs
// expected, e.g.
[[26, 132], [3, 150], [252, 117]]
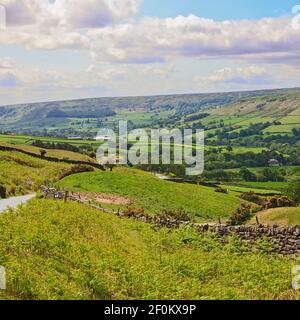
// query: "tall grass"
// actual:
[[21, 174], [53, 250]]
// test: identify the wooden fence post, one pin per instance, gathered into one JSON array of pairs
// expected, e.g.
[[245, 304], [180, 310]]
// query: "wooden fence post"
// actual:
[[66, 195]]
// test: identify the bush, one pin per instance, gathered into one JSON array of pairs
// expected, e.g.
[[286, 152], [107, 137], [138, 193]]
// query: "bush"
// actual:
[[242, 215], [293, 191], [252, 197], [130, 212], [278, 202], [221, 190], [76, 169]]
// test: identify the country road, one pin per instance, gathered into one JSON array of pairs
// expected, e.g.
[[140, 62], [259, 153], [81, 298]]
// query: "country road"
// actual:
[[14, 202]]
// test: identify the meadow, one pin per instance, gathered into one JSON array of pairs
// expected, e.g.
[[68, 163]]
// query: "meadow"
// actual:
[[275, 186], [155, 195], [56, 250], [279, 216], [52, 153], [16, 168]]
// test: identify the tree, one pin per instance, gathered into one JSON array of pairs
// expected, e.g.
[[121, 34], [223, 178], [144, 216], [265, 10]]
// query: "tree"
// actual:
[[293, 190], [229, 148], [247, 175], [43, 152]]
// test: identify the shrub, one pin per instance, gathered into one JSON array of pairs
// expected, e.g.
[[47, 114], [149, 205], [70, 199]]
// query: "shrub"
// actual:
[[76, 169], [242, 214], [221, 190], [252, 197], [180, 215], [293, 191], [133, 212], [278, 202]]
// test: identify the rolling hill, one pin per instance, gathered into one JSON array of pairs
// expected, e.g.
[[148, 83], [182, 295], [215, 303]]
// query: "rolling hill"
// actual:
[[71, 116]]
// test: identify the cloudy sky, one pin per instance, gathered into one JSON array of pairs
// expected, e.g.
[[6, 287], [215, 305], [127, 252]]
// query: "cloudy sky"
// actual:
[[67, 49]]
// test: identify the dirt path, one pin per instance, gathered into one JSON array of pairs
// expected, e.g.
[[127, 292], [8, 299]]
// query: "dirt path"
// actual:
[[13, 202], [103, 198]]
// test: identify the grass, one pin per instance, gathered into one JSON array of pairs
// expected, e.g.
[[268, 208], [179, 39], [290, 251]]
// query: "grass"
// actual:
[[244, 189], [279, 216], [53, 153], [22, 139], [16, 167], [285, 128], [156, 195], [52, 250], [275, 186]]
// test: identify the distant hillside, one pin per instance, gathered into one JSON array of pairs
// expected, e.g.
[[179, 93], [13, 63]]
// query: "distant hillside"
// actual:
[[83, 118], [277, 105], [103, 107]]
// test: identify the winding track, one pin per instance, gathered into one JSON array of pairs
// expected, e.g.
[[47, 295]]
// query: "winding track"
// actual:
[[13, 202]]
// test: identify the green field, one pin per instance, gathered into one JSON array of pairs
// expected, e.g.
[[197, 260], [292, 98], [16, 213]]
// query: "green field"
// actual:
[[285, 128], [16, 168], [244, 189], [52, 153], [276, 186], [279, 216], [23, 140], [155, 195], [52, 250]]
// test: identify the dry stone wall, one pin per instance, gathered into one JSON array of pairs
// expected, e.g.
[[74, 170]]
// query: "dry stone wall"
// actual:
[[286, 239]]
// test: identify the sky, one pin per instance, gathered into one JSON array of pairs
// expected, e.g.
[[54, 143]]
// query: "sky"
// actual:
[[69, 49]]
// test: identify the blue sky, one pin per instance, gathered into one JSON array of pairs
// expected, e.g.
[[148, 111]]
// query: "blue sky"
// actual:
[[71, 49], [219, 9]]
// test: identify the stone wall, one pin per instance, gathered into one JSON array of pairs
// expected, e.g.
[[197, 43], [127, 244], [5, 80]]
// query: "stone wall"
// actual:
[[35, 155], [286, 239]]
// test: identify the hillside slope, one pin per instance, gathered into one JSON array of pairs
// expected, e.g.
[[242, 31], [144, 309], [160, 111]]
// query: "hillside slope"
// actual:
[[279, 105], [53, 250], [54, 114], [279, 216], [155, 195]]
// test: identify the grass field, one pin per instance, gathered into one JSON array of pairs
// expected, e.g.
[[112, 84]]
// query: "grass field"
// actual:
[[276, 186], [244, 189], [21, 139], [285, 128], [60, 154], [279, 216], [52, 250], [16, 167], [156, 195]]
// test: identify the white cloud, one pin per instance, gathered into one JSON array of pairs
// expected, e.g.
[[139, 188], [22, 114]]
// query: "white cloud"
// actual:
[[237, 75], [7, 63], [94, 13], [24, 12], [106, 29], [155, 39]]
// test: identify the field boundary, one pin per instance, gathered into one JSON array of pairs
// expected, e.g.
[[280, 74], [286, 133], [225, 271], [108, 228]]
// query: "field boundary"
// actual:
[[53, 159], [286, 240]]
